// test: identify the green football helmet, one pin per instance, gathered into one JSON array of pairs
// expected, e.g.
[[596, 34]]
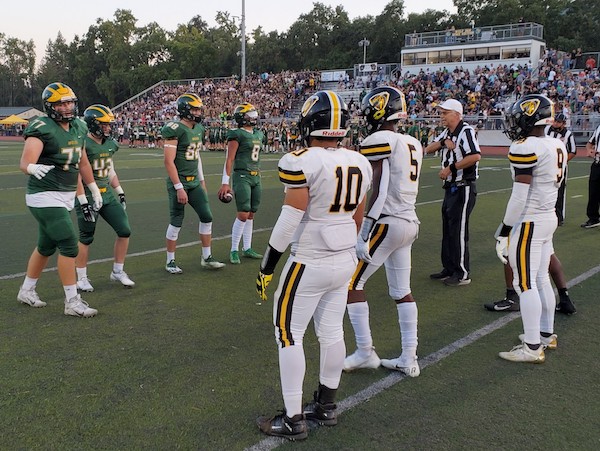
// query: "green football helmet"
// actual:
[[97, 115], [185, 103], [245, 114], [56, 93]]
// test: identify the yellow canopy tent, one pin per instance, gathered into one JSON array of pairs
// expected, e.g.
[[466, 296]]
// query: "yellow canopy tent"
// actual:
[[13, 119]]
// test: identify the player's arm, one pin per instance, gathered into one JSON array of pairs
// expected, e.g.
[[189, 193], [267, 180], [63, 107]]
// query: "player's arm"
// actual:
[[29, 158], [201, 174], [292, 212], [87, 175], [116, 185], [514, 210], [232, 148], [170, 151]]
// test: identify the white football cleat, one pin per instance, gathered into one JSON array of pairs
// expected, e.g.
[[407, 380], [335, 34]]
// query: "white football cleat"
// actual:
[[550, 342], [123, 278], [172, 268], [410, 367], [523, 353], [84, 284], [211, 263], [78, 307], [356, 361], [30, 297]]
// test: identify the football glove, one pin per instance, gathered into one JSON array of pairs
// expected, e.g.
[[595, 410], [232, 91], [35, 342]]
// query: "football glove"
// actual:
[[88, 213], [97, 198], [39, 171], [502, 248], [362, 250], [262, 282], [122, 200]]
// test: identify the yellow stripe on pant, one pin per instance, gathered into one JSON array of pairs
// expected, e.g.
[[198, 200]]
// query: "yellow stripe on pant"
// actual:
[[524, 256], [285, 303]]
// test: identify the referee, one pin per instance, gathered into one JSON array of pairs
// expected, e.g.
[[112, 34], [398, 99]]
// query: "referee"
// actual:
[[593, 206], [559, 130], [460, 161]]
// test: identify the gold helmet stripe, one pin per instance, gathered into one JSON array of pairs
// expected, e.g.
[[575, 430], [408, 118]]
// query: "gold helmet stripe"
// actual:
[[336, 110]]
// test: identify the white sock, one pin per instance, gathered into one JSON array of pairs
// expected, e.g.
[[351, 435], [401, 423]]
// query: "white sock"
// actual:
[[81, 273], [292, 366], [248, 234], [548, 308], [236, 233], [70, 291], [170, 256], [531, 311], [332, 363], [206, 252], [29, 283], [358, 312], [408, 319], [118, 267]]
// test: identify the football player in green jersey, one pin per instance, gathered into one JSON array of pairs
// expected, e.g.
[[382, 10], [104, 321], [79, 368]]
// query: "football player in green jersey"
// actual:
[[185, 182], [242, 168], [53, 156], [100, 148]]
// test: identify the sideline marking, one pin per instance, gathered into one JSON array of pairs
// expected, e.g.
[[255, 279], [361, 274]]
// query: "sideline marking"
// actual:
[[393, 378]]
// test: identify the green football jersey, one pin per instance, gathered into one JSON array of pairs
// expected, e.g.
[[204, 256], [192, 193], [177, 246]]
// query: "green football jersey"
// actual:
[[189, 143], [247, 157], [100, 156], [61, 149]]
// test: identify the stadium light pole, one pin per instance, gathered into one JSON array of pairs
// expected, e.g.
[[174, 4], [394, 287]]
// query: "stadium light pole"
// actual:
[[364, 43], [243, 37]]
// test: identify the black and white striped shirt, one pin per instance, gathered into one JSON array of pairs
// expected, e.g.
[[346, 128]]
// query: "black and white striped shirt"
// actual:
[[594, 140], [565, 135], [466, 144]]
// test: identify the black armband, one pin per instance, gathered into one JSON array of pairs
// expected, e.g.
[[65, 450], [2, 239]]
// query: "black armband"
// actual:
[[505, 230], [270, 260]]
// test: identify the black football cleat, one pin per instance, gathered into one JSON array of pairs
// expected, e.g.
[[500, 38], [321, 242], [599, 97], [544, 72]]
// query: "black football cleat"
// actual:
[[566, 306], [281, 425]]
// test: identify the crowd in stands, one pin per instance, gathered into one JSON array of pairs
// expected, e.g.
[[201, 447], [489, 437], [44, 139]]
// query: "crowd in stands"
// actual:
[[485, 92]]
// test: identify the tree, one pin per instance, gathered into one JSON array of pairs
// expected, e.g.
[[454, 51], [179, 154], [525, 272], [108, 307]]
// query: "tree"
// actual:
[[17, 63]]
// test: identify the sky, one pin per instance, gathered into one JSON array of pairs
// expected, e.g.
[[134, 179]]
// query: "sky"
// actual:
[[41, 20]]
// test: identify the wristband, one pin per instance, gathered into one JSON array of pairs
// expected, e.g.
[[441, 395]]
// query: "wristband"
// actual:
[[225, 179], [178, 186], [119, 190], [82, 199]]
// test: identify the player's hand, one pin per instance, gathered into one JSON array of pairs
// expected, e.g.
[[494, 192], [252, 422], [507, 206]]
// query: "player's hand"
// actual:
[[362, 250], [262, 282], [97, 198], [225, 188], [122, 200], [502, 248], [39, 171], [88, 213]]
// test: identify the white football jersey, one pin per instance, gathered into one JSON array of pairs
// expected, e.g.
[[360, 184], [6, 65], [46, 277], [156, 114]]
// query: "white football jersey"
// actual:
[[405, 157], [547, 157], [337, 180]]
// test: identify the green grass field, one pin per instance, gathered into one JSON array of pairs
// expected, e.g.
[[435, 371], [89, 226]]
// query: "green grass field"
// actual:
[[189, 362]]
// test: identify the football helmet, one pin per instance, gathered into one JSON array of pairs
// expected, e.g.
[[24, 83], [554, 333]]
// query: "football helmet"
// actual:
[[97, 115], [245, 114], [56, 93], [381, 105], [185, 103], [526, 113], [324, 114]]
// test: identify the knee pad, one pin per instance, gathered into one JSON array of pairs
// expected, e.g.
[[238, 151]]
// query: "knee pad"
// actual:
[[68, 248], [86, 238], [124, 232], [205, 228], [173, 232], [46, 250]]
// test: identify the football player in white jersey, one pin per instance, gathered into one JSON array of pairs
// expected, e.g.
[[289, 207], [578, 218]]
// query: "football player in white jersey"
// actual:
[[324, 198], [538, 165], [389, 229]]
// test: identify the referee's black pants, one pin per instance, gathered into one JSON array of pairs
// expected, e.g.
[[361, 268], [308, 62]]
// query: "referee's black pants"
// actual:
[[458, 204], [593, 206]]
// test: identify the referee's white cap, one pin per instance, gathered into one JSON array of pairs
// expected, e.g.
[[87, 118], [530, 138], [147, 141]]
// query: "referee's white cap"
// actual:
[[452, 105]]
